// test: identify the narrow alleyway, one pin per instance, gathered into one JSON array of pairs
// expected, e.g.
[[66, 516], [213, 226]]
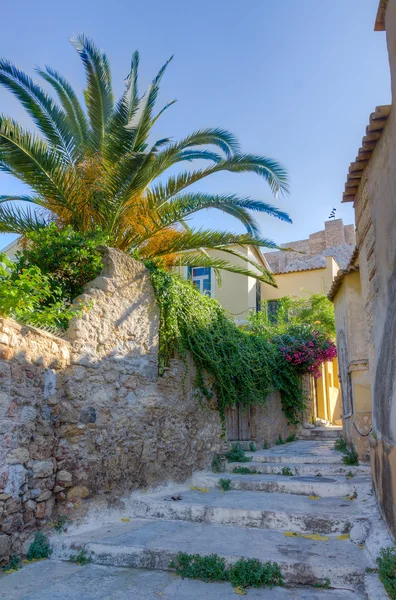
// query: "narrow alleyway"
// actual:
[[300, 506]]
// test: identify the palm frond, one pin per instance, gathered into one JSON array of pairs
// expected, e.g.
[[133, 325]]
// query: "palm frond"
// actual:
[[141, 121], [71, 105], [98, 93], [49, 118], [20, 220], [197, 259], [192, 239], [32, 161]]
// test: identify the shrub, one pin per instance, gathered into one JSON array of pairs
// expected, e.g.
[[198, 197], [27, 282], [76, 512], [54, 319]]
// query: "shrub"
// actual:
[[252, 447], [280, 441], [291, 438], [387, 570], [69, 257], [30, 297], [237, 454], [40, 547]]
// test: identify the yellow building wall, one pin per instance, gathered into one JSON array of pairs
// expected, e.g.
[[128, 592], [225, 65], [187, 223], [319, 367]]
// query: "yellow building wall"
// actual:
[[299, 283]]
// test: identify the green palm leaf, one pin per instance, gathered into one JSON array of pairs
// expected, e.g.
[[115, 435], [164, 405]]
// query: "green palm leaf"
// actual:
[[98, 93], [76, 119], [48, 117]]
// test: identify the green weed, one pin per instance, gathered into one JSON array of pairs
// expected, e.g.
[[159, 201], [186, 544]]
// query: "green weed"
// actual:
[[39, 548], [237, 454], [82, 558], [387, 570], [244, 573], [225, 484]]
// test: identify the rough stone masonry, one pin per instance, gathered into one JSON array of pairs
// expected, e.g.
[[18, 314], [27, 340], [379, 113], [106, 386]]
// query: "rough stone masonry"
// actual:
[[89, 416]]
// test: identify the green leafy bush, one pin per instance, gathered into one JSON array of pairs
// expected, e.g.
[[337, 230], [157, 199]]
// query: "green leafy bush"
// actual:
[[244, 367], [251, 572], [387, 570], [291, 438], [40, 547], [252, 447], [280, 441], [30, 297], [237, 454], [67, 256]]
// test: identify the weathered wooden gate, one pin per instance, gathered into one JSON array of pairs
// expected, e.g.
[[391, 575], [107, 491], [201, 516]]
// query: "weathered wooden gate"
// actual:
[[238, 423]]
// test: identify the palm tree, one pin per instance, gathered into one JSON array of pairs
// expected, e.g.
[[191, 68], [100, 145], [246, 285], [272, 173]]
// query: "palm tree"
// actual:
[[94, 167]]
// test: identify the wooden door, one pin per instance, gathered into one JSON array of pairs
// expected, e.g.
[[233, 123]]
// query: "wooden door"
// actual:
[[238, 423]]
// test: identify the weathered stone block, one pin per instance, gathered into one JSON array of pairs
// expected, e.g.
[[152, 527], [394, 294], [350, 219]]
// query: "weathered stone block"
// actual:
[[18, 455], [79, 491], [42, 468], [5, 546]]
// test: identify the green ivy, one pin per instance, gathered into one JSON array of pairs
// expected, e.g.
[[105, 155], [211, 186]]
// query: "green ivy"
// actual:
[[244, 367]]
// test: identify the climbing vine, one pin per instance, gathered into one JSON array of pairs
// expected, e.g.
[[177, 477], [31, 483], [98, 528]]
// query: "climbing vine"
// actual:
[[245, 367]]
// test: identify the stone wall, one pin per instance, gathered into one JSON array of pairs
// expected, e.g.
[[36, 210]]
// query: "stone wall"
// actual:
[[31, 376], [88, 418], [334, 236]]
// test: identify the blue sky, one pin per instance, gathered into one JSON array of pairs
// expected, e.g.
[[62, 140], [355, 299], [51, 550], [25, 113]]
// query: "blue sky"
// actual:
[[293, 79]]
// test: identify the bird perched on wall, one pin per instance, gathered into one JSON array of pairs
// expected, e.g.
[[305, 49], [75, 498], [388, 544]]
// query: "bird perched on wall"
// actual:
[[332, 214]]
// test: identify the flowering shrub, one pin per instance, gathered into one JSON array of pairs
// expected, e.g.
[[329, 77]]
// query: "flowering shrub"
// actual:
[[306, 348]]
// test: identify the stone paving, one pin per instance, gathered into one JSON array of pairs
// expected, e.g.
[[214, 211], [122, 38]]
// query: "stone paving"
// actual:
[[318, 528]]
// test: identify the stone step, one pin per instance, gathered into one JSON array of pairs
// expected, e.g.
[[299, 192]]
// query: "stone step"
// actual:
[[301, 468], [302, 451], [50, 580], [285, 512], [321, 433], [303, 485], [154, 544]]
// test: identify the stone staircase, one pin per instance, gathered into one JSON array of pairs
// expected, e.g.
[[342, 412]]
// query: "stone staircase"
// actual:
[[317, 525]]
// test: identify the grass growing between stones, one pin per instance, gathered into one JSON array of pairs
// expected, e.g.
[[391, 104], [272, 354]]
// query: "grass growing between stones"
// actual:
[[82, 558], [216, 464], [287, 472], [237, 454], [245, 573], [245, 471], [350, 457], [225, 484], [13, 565], [387, 570]]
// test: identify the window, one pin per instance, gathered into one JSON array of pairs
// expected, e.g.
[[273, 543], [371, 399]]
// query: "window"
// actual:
[[272, 310], [201, 278]]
